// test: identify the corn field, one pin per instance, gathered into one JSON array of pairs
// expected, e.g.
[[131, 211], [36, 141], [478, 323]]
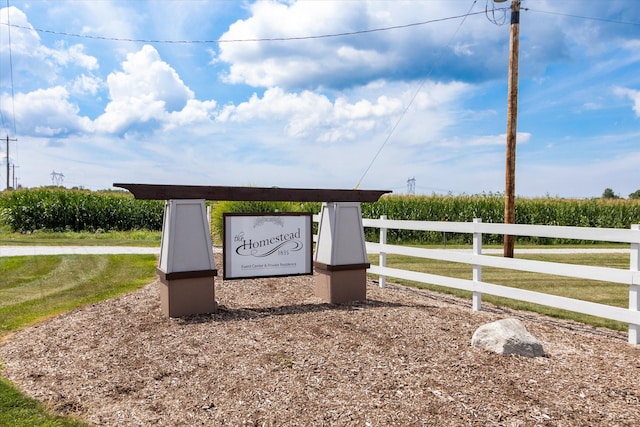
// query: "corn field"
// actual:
[[600, 213], [60, 209]]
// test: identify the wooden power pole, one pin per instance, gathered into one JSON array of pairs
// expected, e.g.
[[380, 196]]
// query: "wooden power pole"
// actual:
[[512, 121]]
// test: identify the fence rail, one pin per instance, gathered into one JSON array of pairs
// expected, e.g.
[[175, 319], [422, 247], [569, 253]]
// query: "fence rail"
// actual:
[[477, 260]]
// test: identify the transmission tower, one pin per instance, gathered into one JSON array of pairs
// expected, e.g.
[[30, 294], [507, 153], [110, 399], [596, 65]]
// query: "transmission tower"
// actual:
[[411, 185], [57, 178]]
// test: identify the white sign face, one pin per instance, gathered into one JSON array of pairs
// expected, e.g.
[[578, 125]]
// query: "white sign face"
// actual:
[[266, 245]]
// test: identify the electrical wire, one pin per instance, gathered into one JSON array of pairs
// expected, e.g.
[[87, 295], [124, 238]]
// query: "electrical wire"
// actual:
[[2, 120], [267, 39], [493, 18], [10, 74], [420, 86], [611, 21], [13, 105]]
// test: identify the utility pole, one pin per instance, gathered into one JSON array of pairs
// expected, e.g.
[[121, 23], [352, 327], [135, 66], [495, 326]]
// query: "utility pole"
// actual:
[[8, 160], [512, 121]]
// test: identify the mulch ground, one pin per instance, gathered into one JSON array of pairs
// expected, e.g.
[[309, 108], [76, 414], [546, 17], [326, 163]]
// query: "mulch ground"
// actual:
[[276, 355]]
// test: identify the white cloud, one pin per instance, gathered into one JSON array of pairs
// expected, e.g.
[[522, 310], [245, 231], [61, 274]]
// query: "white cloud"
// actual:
[[30, 57], [86, 84], [145, 90], [310, 115], [358, 114], [341, 61], [194, 112], [105, 18], [304, 112], [521, 138], [49, 112], [591, 106], [463, 49], [633, 95], [447, 45], [484, 140], [24, 39], [73, 55]]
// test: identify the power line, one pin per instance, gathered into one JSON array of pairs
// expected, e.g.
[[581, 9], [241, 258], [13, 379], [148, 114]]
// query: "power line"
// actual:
[[611, 21], [266, 39], [422, 83], [13, 105], [10, 73], [320, 36]]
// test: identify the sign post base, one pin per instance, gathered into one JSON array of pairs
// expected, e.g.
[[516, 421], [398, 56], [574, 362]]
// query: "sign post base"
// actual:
[[184, 297], [342, 285], [340, 259]]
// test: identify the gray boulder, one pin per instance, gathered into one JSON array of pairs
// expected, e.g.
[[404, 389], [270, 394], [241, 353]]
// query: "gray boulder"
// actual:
[[507, 336]]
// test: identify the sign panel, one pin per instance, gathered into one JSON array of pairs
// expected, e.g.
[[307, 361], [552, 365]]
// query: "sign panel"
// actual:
[[267, 245]]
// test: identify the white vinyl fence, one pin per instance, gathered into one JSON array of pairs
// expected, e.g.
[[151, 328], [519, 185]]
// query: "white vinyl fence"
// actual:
[[477, 260]]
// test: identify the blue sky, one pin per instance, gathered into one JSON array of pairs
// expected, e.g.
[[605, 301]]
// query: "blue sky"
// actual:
[[189, 92]]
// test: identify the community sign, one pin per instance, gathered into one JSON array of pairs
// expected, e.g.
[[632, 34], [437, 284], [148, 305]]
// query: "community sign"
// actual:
[[267, 245]]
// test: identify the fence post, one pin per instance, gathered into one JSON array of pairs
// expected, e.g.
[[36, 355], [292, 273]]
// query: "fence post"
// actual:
[[382, 280], [634, 289], [477, 269]]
